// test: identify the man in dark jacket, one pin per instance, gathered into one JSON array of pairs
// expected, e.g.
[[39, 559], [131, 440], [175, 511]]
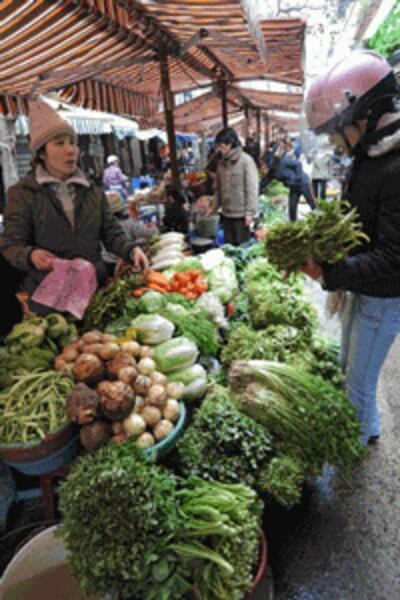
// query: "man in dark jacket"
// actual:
[[285, 167]]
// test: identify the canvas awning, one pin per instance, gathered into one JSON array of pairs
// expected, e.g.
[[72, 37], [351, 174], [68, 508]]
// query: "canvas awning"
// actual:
[[104, 54]]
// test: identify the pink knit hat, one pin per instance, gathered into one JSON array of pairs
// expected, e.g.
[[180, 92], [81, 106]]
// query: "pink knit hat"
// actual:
[[45, 124]]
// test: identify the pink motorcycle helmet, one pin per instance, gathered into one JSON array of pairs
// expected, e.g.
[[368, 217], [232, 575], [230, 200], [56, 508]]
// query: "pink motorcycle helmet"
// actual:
[[344, 93]]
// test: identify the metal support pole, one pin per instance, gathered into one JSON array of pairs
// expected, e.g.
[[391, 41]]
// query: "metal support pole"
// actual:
[[168, 100], [246, 123], [224, 103]]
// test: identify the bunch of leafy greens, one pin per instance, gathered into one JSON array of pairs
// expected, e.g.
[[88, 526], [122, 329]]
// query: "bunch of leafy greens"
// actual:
[[225, 517], [224, 444], [106, 304], [119, 512], [327, 234], [276, 342], [241, 255], [134, 307], [278, 304], [313, 421], [135, 531], [195, 325]]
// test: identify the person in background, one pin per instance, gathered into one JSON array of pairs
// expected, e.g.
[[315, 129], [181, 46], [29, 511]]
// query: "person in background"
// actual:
[[55, 211], [321, 172], [286, 168], [237, 187], [355, 103], [114, 179], [176, 215]]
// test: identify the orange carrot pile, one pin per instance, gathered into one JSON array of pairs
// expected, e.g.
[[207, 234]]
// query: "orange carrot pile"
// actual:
[[190, 284]]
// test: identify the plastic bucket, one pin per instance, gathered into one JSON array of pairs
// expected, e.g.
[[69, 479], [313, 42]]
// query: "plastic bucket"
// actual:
[[207, 227], [40, 570], [262, 567]]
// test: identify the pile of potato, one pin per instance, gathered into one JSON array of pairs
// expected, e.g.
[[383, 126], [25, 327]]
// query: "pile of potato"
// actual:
[[119, 391]]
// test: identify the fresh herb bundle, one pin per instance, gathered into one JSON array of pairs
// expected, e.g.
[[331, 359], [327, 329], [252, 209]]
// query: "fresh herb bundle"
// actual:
[[327, 234], [312, 420], [224, 444]]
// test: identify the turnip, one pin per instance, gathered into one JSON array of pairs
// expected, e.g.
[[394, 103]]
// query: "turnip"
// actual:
[[175, 390], [146, 366], [151, 414], [159, 378], [145, 440], [163, 429], [146, 352], [108, 350], [132, 348], [92, 337], [157, 395], [171, 410], [134, 424]]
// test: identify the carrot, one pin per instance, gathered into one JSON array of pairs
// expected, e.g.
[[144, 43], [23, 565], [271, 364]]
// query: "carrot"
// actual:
[[157, 288], [158, 279], [136, 293]]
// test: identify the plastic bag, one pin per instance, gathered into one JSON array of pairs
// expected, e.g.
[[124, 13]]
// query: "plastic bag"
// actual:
[[68, 287]]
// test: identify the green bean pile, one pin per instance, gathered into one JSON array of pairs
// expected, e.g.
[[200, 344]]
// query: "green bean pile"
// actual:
[[327, 234], [34, 406]]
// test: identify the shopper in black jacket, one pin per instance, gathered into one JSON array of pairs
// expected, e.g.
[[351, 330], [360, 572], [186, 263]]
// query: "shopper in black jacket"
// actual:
[[355, 103]]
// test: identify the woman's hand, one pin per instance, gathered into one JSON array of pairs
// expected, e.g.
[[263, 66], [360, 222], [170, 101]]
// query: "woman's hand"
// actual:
[[41, 259], [139, 259], [312, 269]]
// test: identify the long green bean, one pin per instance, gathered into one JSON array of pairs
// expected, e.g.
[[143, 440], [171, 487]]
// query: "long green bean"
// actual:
[[34, 406]]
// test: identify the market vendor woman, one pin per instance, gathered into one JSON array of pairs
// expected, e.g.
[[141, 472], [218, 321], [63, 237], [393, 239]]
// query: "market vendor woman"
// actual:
[[55, 211]]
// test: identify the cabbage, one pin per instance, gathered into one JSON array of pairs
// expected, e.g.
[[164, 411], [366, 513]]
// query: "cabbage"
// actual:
[[223, 282], [152, 329], [151, 302], [211, 259], [194, 379], [214, 309], [176, 354]]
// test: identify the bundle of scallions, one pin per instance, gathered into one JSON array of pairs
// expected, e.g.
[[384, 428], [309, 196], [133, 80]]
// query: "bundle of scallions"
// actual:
[[311, 420], [327, 234]]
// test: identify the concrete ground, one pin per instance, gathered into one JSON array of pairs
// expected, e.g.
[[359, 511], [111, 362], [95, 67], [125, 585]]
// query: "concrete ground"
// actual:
[[343, 542]]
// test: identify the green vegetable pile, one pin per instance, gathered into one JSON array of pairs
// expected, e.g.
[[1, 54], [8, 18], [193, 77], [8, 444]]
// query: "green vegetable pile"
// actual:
[[33, 344], [35, 405], [327, 234], [107, 303], [278, 304], [276, 342], [135, 531], [223, 532], [314, 422], [224, 444]]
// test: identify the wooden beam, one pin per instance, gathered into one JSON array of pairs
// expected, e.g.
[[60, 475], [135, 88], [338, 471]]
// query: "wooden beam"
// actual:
[[168, 99], [253, 22]]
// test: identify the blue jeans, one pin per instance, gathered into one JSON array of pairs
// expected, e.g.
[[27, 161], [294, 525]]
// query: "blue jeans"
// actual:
[[368, 332]]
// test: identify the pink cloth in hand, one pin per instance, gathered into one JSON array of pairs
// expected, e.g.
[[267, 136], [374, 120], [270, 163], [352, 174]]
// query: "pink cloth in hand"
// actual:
[[68, 287]]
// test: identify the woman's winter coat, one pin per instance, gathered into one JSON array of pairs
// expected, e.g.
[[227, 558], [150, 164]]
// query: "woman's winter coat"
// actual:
[[374, 189], [237, 180], [35, 218]]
